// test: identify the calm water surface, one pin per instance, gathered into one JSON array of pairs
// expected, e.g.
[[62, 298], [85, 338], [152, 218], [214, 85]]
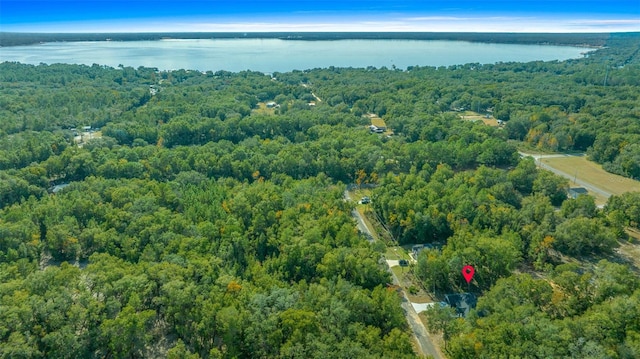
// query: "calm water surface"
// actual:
[[273, 55]]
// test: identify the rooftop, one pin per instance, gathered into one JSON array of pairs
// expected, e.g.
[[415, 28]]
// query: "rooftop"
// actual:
[[462, 302]]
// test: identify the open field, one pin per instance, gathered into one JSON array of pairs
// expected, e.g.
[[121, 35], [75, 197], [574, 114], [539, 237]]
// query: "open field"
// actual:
[[263, 109], [592, 173], [83, 137], [474, 116]]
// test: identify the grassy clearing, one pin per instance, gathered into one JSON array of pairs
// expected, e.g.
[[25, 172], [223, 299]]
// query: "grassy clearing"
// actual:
[[400, 273], [396, 253], [391, 254], [378, 122], [474, 116], [357, 194], [263, 109], [83, 137], [630, 250], [593, 174]]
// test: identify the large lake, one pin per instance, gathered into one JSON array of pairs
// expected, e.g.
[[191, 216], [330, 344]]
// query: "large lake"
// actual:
[[273, 55]]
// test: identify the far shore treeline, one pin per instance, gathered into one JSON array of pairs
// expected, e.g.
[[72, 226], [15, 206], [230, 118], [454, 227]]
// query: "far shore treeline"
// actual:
[[572, 39]]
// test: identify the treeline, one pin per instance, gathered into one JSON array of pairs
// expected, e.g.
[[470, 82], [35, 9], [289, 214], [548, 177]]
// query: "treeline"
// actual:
[[579, 39]]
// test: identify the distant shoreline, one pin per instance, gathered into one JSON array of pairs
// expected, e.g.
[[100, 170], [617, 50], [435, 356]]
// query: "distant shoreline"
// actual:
[[589, 40]]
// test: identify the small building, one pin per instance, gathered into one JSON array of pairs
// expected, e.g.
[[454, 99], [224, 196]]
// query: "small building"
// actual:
[[376, 129], [417, 249], [272, 104], [577, 192], [462, 303], [378, 122], [86, 128], [57, 188]]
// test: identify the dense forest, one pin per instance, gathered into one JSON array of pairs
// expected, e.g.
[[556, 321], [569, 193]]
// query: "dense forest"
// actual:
[[193, 221]]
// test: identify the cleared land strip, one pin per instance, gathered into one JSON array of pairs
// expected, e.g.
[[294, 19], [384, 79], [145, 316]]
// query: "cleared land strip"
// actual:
[[424, 341]]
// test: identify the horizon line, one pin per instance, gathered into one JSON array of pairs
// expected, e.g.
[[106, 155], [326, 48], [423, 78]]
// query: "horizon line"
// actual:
[[483, 24], [321, 32]]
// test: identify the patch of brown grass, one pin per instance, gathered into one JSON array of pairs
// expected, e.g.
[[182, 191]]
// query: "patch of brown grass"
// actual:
[[263, 109], [378, 122], [630, 250], [593, 174], [474, 116]]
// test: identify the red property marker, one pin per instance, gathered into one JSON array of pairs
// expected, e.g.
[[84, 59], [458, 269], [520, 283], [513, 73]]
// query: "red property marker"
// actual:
[[467, 273]]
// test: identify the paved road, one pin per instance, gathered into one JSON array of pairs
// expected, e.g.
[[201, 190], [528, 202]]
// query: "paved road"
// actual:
[[571, 177], [423, 339], [362, 227], [425, 343]]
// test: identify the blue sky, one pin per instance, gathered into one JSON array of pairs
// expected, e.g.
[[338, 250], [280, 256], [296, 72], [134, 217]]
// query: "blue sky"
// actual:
[[327, 15]]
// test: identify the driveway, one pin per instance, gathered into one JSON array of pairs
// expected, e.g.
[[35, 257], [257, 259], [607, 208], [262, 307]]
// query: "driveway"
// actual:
[[425, 345], [362, 226], [393, 262]]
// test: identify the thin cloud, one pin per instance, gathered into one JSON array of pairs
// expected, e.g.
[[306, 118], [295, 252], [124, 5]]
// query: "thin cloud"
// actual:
[[438, 18], [590, 22], [369, 23]]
